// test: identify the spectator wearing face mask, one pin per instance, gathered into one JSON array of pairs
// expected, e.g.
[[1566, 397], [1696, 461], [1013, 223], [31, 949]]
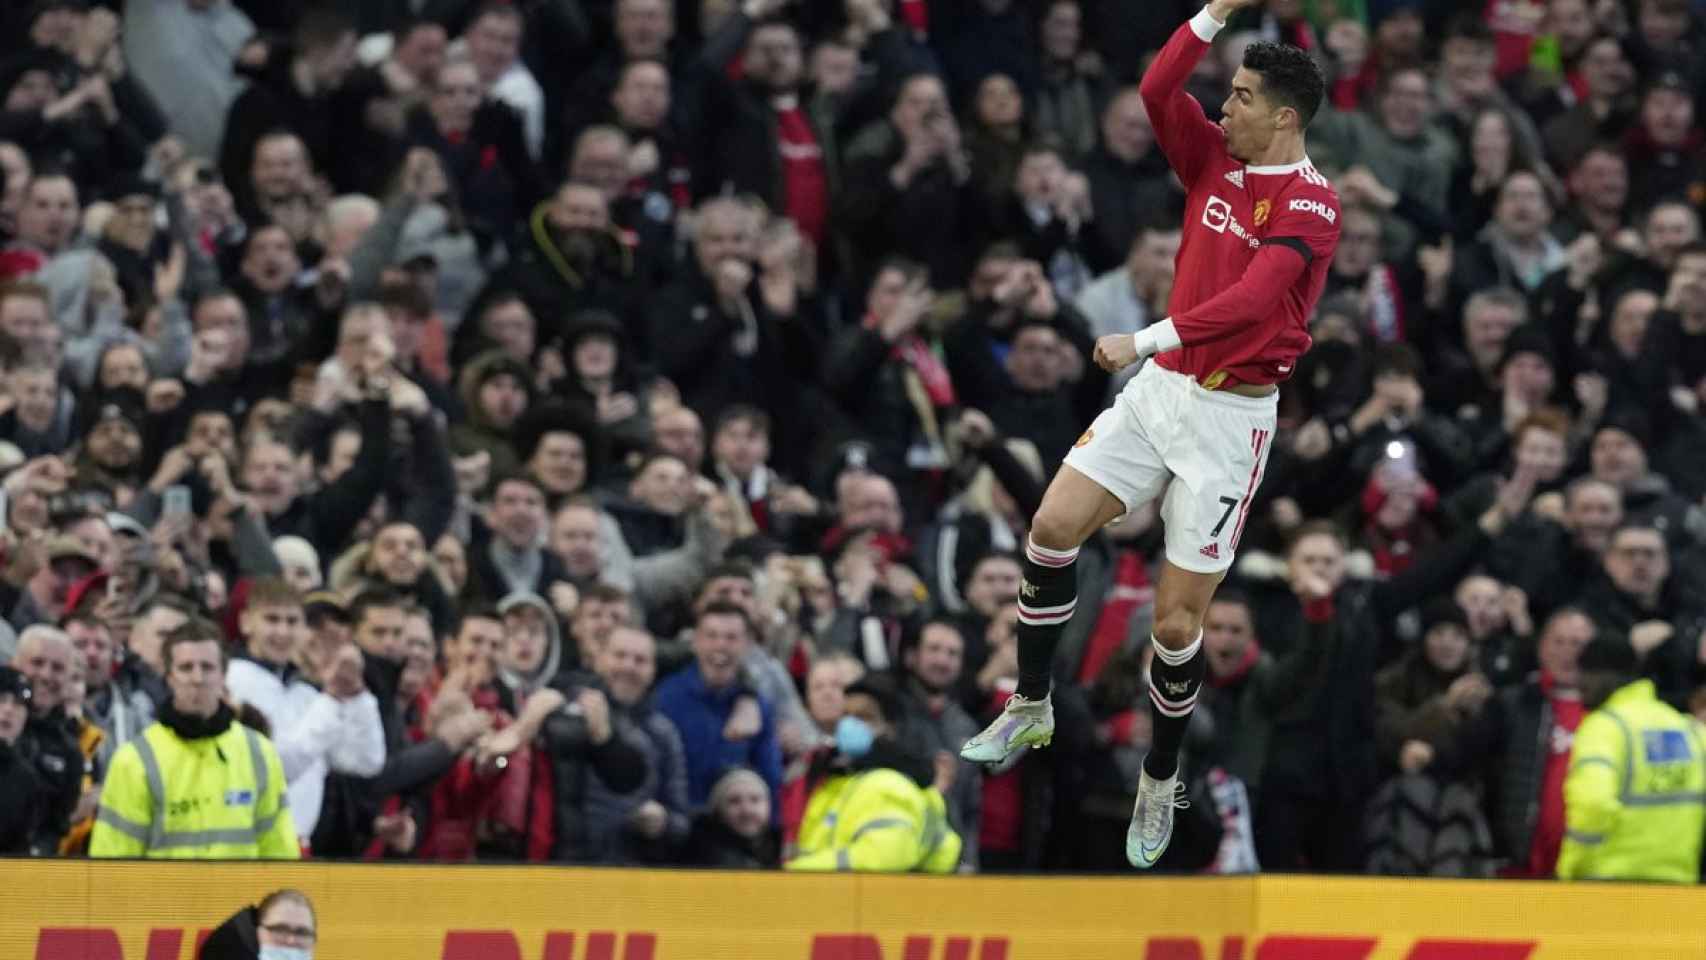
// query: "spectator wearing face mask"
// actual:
[[283, 926]]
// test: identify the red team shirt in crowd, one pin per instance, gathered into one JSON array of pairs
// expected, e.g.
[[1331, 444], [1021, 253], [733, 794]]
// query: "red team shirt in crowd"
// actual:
[[1257, 241]]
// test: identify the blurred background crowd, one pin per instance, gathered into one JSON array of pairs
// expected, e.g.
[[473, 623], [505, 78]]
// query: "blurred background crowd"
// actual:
[[564, 415]]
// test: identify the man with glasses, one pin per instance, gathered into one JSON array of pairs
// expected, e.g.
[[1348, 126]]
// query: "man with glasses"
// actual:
[[282, 927]]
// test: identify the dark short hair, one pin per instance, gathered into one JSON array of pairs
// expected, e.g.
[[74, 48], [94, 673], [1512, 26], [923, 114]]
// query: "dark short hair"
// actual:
[[1397, 360], [604, 593], [720, 609], [1289, 77], [323, 25], [479, 611], [197, 629], [1233, 596], [371, 600], [756, 418], [406, 298], [726, 570]]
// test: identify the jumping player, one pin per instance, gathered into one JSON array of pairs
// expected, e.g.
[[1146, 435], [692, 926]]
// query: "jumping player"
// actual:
[[1260, 229]]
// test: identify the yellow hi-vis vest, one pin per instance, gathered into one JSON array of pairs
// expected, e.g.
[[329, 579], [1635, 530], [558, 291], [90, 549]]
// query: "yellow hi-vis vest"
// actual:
[[878, 821], [1635, 796], [216, 798]]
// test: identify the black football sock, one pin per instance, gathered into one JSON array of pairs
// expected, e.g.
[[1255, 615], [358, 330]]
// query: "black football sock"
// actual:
[[1047, 596], [1174, 679]]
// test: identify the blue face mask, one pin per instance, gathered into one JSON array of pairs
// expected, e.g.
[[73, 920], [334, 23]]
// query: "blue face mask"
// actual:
[[286, 953], [853, 737]]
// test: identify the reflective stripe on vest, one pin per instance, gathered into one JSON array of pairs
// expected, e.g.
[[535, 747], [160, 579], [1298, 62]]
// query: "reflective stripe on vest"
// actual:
[[158, 837]]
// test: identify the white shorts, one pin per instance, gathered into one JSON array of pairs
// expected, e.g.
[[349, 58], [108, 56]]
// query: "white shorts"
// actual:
[[1212, 445]]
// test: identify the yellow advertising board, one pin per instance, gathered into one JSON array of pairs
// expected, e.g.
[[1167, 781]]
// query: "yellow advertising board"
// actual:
[[81, 910]]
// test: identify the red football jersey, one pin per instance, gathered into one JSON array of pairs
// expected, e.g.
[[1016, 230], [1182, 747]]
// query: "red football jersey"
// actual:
[[1257, 241]]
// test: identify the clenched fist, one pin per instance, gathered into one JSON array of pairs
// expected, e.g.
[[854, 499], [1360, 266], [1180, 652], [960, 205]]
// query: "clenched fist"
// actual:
[[1115, 352]]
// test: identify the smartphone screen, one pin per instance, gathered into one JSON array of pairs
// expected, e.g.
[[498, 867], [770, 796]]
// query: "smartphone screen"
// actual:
[[175, 501]]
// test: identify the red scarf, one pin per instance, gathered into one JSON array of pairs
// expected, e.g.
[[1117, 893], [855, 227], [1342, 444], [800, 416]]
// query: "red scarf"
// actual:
[[1130, 591], [1246, 663], [913, 351]]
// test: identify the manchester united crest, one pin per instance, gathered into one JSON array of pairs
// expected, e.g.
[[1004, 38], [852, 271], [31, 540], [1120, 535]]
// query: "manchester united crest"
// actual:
[[1088, 434], [1262, 208]]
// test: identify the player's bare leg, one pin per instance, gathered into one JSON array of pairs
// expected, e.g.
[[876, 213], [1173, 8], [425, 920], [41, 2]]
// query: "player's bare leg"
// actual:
[[1181, 600], [1073, 508]]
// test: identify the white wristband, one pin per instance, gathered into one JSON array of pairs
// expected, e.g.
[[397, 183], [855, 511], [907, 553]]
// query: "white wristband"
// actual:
[[1205, 26], [1156, 338]]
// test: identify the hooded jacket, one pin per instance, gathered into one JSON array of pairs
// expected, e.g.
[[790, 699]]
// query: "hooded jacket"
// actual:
[[477, 432], [521, 684], [238, 938]]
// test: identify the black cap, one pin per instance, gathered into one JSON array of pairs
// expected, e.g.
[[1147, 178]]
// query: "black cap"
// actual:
[[124, 404], [1528, 339], [1608, 654], [131, 185], [15, 684], [592, 323], [1629, 420], [1669, 79], [1444, 610]]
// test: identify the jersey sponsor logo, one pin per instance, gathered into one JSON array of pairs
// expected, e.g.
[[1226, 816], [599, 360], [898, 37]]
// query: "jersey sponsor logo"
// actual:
[[1316, 207], [1212, 551], [1085, 438], [1217, 216], [1236, 178], [1263, 207]]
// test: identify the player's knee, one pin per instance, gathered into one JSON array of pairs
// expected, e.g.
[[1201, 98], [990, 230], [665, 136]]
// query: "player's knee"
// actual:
[[1054, 529], [1176, 628]]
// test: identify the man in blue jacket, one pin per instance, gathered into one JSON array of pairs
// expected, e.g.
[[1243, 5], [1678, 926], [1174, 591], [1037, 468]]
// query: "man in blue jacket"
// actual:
[[701, 698]]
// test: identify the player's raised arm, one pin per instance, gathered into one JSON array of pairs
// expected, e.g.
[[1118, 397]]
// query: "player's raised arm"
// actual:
[[1184, 132]]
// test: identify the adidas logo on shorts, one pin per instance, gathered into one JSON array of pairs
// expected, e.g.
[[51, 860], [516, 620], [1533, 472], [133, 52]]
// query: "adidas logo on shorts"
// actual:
[[1212, 551]]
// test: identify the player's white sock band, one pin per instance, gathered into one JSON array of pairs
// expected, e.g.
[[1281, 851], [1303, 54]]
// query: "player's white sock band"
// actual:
[[1177, 658], [1045, 557]]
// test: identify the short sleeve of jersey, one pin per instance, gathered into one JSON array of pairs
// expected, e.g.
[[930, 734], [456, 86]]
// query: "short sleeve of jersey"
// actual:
[[1306, 218]]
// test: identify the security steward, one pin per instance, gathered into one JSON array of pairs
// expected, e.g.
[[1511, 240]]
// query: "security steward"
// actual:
[[875, 806], [1635, 796], [197, 784]]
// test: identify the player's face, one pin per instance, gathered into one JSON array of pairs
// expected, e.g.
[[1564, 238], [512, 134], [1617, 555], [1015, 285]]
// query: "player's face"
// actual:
[[1248, 118]]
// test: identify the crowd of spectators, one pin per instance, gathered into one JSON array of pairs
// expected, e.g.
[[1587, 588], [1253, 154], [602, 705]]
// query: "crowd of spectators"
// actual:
[[599, 431]]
